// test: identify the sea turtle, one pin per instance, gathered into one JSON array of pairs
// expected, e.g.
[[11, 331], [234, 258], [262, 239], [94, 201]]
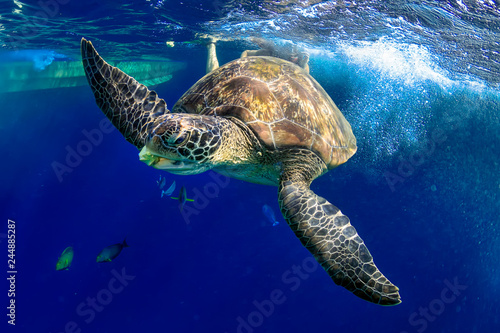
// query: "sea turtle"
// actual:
[[260, 119]]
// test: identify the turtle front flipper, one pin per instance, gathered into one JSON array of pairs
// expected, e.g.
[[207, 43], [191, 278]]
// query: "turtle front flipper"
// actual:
[[329, 236], [131, 106]]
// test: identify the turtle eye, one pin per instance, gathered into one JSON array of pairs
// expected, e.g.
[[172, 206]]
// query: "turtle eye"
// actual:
[[178, 139]]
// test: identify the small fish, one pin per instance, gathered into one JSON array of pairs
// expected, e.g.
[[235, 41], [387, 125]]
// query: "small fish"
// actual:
[[182, 198], [269, 213], [169, 191], [111, 252], [161, 182], [65, 259]]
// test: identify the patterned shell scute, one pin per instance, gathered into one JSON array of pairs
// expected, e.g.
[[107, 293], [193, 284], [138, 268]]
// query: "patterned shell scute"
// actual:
[[284, 106]]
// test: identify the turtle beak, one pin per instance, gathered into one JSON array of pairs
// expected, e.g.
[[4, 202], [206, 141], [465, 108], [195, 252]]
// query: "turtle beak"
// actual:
[[147, 157], [167, 164]]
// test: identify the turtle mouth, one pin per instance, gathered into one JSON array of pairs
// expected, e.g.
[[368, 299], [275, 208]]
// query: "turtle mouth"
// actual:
[[165, 163]]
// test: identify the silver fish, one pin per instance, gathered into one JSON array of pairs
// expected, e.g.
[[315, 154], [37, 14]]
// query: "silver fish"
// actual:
[[169, 191], [161, 182], [269, 213]]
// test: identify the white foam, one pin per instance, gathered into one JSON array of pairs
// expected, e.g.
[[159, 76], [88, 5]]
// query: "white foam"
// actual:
[[408, 63]]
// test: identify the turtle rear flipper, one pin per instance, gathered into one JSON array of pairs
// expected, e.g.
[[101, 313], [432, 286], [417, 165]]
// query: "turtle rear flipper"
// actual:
[[212, 61], [130, 106], [329, 236]]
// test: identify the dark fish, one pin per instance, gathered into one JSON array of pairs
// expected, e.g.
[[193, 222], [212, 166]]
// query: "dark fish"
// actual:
[[65, 259], [111, 252], [182, 198], [269, 213]]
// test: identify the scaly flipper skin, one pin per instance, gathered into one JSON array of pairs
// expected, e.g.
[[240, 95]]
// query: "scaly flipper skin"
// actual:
[[131, 106], [329, 236]]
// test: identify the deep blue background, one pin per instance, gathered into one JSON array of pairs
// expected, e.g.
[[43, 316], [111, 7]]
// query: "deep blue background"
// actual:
[[439, 224]]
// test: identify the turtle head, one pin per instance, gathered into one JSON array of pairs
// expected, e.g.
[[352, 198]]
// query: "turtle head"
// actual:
[[182, 144]]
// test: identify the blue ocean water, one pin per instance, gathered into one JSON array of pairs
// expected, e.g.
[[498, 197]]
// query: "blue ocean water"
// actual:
[[418, 81]]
